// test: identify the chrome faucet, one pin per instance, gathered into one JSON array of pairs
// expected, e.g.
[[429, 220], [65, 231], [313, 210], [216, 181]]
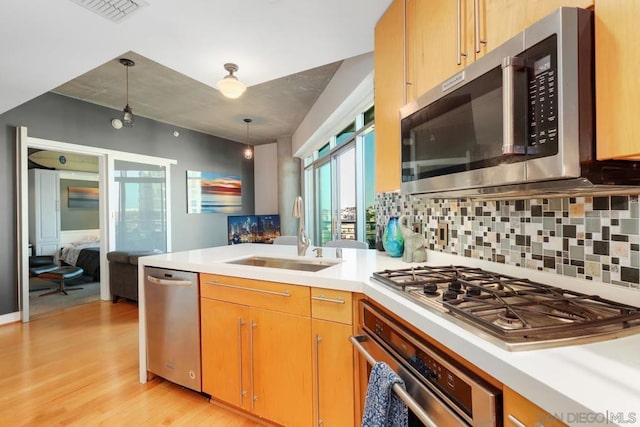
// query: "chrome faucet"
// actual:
[[303, 239]]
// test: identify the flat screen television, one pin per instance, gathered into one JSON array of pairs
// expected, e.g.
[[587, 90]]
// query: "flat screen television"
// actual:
[[252, 228]]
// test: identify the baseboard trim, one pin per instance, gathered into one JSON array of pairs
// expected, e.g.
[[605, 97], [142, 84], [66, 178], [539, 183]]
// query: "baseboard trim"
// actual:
[[10, 318]]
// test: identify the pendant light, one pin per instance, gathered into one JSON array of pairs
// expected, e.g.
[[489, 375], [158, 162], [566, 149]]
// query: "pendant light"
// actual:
[[127, 112], [230, 86], [248, 152]]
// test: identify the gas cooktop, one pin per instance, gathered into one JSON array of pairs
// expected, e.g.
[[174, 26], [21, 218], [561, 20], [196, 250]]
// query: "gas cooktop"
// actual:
[[518, 312]]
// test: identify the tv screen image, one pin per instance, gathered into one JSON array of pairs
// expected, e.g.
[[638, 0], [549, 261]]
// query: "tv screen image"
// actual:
[[252, 228]]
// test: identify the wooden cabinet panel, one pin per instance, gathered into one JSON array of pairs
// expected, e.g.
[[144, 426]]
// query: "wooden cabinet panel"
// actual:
[[519, 411], [617, 89], [389, 87], [329, 304], [225, 351], [270, 295], [281, 365], [334, 373]]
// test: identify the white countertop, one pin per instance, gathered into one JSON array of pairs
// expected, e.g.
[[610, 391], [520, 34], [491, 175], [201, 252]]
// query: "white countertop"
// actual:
[[582, 384]]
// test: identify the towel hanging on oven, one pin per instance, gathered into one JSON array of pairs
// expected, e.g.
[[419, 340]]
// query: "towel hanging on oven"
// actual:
[[383, 407]]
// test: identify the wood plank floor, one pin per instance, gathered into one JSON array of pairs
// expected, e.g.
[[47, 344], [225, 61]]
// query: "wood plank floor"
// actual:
[[79, 367]]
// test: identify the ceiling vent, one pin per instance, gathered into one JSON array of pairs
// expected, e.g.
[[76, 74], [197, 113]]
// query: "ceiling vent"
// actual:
[[113, 10]]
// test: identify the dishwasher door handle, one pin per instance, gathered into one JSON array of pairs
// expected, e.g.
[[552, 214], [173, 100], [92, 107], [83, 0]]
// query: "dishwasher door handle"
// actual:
[[169, 282]]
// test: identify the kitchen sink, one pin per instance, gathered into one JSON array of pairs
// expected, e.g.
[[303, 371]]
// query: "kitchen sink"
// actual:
[[285, 263]]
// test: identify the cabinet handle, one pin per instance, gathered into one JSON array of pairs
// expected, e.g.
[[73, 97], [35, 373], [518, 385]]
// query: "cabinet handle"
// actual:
[[317, 367], [516, 422], [253, 395], [326, 299], [243, 392], [169, 282], [459, 52], [476, 17], [244, 288]]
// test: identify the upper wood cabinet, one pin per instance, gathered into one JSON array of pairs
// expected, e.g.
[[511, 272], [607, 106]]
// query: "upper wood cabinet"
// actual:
[[389, 87], [617, 87], [450, 35]]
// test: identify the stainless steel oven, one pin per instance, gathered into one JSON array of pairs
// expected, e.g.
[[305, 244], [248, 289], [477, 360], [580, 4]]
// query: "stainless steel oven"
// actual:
[[439, 391], [520, 117]]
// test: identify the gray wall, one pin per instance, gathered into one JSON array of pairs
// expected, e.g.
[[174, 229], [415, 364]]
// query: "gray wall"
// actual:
[[59, 118]]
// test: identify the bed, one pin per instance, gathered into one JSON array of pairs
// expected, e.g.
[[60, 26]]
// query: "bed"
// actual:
[[84, 254]]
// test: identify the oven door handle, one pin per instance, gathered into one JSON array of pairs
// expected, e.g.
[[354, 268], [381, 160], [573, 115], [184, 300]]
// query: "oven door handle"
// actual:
[[401, 392]]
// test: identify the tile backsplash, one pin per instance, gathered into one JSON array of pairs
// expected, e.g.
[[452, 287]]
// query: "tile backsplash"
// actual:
[[595, 238]]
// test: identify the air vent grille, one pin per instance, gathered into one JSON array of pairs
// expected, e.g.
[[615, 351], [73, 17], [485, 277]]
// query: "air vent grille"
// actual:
[[113, 10]]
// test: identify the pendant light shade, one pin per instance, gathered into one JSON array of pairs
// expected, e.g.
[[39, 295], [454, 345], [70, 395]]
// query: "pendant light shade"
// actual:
[[127, 112], [248, 152], [230, 86]]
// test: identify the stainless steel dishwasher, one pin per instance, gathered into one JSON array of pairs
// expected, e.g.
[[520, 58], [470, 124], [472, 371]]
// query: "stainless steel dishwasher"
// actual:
[[173, 326]]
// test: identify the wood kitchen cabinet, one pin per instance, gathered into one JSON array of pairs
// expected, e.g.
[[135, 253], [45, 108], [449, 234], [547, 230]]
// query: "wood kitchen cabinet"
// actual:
[[520, 412], [617, 88], [389, 87], [451, 35], [255, 347], [416, 48], [333, 358]]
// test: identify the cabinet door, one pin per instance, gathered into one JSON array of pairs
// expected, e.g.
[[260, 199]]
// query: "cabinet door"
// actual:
[[44, 210], [225, 351], [519, 412], [334, 374], [617, 87], [499, 20], [389, 87], [281, 366], [437, 42]]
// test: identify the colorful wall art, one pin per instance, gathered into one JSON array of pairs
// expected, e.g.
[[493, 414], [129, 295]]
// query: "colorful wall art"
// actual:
[[209, 192], [83, 197]]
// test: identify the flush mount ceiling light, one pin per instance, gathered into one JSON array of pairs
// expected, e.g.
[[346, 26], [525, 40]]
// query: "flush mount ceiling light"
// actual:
[[113, 10], [230, 86], [248, 152], [127, 112]]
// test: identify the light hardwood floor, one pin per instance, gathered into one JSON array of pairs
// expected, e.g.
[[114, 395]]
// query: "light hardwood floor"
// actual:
[[79, 367]]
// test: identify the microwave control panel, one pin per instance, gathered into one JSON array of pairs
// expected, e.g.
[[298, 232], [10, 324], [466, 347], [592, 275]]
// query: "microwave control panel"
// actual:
[[543, 100]]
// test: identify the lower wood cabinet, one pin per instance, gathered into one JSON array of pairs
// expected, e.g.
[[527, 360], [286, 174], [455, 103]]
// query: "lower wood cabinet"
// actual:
[[278, 351], [255, 358], [333, 358], [520, 412]]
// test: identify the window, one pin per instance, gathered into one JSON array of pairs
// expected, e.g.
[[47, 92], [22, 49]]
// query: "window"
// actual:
[[339, 185]]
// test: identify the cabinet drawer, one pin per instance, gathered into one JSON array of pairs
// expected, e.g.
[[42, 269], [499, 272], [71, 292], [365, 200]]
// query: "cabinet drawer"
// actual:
[[329, 304], [276, 296]]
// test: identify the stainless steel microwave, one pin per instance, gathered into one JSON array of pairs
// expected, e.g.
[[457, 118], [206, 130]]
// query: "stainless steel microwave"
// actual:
[[520, 118]]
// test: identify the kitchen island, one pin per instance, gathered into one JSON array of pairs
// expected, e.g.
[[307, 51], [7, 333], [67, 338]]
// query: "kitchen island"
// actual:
[[586, 384]]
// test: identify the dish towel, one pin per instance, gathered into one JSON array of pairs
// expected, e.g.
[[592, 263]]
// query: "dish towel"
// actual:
[[382, 406]]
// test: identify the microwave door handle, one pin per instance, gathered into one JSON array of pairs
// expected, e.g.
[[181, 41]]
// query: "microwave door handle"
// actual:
[[510, 65]]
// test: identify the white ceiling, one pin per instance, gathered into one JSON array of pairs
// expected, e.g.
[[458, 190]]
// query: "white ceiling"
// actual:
[[286, 50]]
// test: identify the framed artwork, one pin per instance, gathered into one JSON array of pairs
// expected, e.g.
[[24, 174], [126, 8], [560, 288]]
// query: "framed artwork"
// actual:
[[83, 197], [209, 192]]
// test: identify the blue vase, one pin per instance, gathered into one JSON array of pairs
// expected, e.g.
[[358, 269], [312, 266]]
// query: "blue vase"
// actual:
[[392, 238]]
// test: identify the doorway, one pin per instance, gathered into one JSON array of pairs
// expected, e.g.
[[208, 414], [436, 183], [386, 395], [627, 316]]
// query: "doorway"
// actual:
[[109, 207]]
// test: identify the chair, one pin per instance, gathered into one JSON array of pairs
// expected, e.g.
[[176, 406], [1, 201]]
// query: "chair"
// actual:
[[345, 243], [285, 240]]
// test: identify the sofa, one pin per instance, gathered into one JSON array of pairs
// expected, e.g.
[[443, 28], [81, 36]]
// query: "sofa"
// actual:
[[123, 273]]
